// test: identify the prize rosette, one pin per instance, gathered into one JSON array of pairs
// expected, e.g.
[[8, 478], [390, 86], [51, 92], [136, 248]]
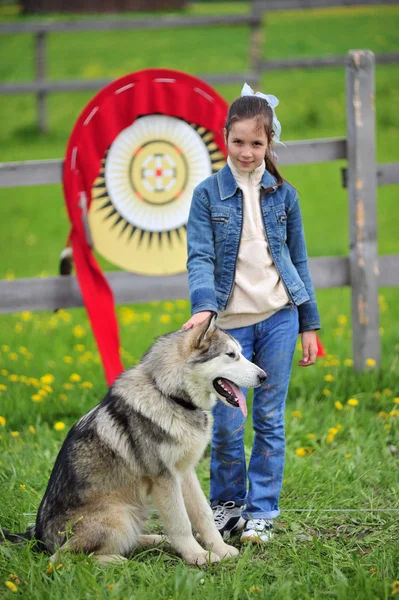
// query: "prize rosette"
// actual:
[[134, 157]]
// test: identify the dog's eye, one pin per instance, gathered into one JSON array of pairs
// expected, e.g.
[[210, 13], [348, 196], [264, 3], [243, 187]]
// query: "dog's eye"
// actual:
[[230, 354]]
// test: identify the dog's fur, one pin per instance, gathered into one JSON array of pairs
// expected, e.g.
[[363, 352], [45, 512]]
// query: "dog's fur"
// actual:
[[143, 441]]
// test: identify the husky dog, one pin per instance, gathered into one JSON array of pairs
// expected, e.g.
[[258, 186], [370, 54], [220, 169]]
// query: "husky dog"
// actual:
[[142, 443]]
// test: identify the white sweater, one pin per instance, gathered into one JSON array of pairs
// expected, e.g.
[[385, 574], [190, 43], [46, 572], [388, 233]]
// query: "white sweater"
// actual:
[[258, 291]]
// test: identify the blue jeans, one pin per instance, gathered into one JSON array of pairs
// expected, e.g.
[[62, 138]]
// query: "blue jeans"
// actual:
[[270, 344]]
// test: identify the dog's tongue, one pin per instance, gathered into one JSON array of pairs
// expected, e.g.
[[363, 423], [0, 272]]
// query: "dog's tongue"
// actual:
[[242, 403]]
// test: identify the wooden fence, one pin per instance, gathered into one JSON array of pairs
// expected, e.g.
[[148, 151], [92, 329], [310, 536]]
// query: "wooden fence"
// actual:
[[41, 86], [362, 269]]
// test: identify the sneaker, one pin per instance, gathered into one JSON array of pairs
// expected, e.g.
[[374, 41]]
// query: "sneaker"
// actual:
[[228, 519], [258, 531]]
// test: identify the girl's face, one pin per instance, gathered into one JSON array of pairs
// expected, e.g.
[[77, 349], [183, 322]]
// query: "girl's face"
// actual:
[[246, 144]]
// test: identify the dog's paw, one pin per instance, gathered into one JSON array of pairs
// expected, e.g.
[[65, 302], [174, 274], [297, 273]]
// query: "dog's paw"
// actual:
[[202, 558], [225, 551]]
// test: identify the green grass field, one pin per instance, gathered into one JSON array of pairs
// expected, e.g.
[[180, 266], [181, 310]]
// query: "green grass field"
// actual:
[[342, 427]]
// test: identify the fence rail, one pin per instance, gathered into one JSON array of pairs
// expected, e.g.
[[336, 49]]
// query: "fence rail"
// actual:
[[36, 172], [51, 293], [41, 86]]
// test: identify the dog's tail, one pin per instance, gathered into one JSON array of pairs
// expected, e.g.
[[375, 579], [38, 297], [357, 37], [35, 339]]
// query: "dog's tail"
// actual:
[[17, 538]]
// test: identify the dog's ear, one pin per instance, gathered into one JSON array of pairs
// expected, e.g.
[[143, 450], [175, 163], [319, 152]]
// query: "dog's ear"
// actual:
[[204, 331]]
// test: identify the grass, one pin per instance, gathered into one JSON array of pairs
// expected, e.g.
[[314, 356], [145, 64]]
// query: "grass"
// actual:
[[339, 456]]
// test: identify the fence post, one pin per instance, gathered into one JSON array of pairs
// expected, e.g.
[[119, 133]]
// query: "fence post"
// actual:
[[256, 39], [362, 188], [40, 72]]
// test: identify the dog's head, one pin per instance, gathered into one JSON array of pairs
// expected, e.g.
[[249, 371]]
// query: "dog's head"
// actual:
[[216, 360]]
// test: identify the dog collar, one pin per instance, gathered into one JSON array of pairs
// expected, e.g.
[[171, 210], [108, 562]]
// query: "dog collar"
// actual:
[[184, 403]]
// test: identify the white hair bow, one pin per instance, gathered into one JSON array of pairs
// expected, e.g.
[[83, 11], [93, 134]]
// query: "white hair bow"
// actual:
[[272, 102]]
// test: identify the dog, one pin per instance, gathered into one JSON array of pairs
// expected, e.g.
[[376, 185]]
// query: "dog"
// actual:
[[141, 443]]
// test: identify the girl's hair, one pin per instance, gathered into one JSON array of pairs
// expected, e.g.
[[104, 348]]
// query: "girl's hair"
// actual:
[[254, 107]]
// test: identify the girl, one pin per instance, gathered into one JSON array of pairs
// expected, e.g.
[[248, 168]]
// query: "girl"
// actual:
[[247, 261]]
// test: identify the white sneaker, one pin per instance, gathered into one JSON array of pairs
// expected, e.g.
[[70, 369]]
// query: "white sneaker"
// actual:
[[228, 519], [258, 531]]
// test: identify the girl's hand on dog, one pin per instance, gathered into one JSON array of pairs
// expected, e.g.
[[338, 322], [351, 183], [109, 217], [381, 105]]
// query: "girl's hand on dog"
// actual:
[[197, 319], [309, 348]]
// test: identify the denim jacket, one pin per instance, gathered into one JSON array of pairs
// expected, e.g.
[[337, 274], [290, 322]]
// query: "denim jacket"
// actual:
[[214, 232]]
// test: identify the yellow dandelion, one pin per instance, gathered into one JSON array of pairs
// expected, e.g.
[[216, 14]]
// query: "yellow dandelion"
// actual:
[[65, 316], [4, 372], [79, 331], [68, 360], [32, 429], [26, 315], [68, 386], [342, 319], [59, 426], [22, 486], [370, 362], [396, 400], [13, 356], [394, 413], [15, 433], [42, 393], [37, 398], [348, 362], [87, 384], [127, 315], [34, 382], [333, 430], [18, 328], [347, 456], [75, 377], [2, 421], [339, 426], [5, 348], [383, 414], [297, 414], [338, 405], [165, 319], [47, 379], [48, 389], [330, 438], [11, 586], [3, 388], [328, 377], [311, 436], [169, 306], [326, 392], [300, 452], [79, 347], [353, 402], [14, 378]]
